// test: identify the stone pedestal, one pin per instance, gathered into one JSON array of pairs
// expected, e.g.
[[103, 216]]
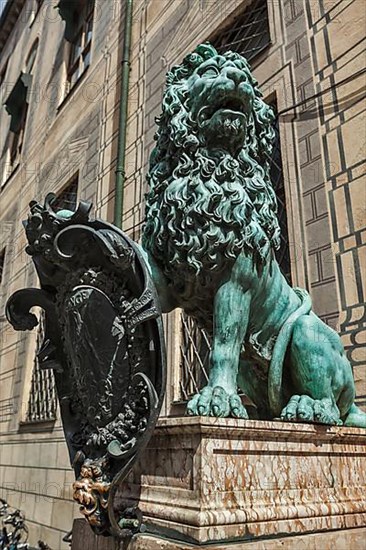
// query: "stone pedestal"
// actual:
[[237, 482]]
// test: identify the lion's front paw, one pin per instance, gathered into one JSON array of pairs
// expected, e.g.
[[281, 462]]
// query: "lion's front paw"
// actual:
[[216, 402], [302, 408]]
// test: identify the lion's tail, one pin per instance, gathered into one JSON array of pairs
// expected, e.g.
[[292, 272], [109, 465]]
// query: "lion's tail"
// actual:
[[279, 351]]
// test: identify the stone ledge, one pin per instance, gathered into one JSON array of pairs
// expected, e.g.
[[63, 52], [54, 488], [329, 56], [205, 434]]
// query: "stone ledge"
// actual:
[[83, 538], [249, 428]]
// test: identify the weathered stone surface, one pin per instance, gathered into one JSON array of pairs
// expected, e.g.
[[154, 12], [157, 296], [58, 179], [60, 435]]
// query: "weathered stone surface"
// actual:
[[284, 485], [214, 479]]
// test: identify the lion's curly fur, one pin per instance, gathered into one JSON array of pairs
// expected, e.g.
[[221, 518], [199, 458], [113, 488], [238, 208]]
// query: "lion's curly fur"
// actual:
[[204, 207]]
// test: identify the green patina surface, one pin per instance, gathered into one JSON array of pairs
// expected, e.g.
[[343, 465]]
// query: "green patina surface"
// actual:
[[211, 228]]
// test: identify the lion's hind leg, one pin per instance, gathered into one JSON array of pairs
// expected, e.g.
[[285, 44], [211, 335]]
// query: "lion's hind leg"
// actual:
[[321, 376], [355, 418]]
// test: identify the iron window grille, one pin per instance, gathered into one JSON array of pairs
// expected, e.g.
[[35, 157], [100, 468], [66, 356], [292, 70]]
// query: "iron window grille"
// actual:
[[67, 198], [42, 403], [248, 34], [195, 349]]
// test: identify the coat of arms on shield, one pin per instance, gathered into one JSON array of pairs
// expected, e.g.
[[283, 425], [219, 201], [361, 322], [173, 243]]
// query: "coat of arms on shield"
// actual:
[[104, 340]]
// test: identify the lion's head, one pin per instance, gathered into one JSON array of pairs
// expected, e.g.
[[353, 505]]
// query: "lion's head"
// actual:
[[210, 193]]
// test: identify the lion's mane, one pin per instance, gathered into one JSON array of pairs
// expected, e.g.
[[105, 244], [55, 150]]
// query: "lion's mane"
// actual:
[[204, 208]]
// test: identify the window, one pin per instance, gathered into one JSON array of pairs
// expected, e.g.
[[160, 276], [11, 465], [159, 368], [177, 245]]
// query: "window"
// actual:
[[17, 107], [78, 32], [248, 34], [67, 198], [42, 403]]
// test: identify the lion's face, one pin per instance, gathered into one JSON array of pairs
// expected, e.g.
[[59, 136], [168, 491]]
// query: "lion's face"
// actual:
[[221, 100]]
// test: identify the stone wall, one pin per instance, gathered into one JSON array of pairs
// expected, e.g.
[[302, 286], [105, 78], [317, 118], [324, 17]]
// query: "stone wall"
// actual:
[[337, 46], [312, 147]]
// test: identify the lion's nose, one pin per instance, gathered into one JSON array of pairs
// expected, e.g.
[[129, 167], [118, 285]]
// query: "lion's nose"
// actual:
[[234, 74]]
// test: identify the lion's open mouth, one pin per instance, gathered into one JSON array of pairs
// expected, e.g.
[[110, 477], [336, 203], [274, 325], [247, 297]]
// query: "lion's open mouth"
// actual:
[[232, 104], [224, 120]]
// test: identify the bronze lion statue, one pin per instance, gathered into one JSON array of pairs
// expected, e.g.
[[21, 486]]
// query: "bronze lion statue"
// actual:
[[209, 239]]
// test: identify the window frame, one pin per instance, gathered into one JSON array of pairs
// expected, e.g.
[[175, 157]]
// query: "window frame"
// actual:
[[77, 64]]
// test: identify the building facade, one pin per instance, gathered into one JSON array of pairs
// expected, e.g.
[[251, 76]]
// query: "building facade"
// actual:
[[60, 72]]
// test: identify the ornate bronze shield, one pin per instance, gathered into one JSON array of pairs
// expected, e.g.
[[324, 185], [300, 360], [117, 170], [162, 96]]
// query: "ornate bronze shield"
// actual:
[[104, 341]]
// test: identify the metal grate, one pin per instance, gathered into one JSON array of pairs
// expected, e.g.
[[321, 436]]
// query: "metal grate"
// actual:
[[42, 402], [248, 34], [195, 351]]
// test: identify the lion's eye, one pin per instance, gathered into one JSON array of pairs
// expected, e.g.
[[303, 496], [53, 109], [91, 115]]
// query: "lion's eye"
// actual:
[[210, 72]]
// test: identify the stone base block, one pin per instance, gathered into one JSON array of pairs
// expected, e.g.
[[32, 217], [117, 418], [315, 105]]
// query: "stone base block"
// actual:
[[248, 484], [206, 479]]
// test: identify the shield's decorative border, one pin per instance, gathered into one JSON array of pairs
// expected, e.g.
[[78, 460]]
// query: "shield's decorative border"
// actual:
[[104, 340]]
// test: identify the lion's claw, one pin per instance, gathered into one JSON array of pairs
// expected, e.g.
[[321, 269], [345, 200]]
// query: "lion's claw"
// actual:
[[215, 401], [305, 409], [237, 408]]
